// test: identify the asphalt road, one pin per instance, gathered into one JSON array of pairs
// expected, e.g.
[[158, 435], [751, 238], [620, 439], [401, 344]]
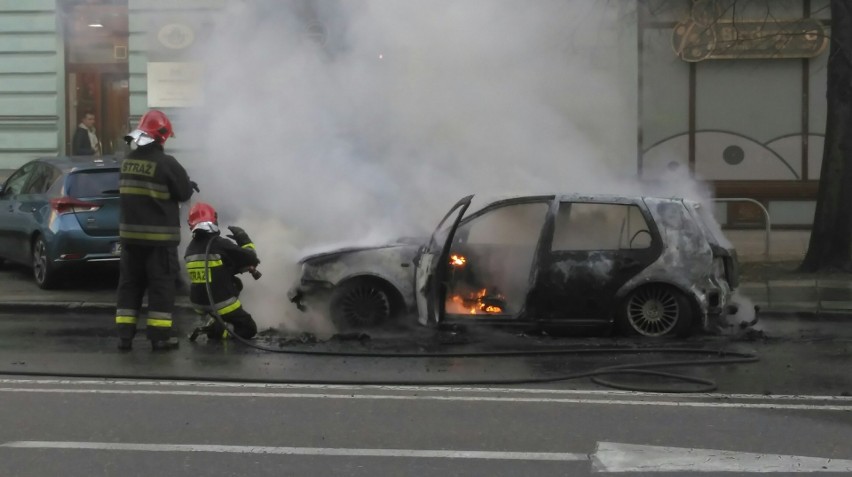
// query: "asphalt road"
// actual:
[[68, 427], [184, 413]]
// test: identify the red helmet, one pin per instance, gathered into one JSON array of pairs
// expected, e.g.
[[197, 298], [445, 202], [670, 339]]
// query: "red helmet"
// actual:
[[153, 127], [202, 216]]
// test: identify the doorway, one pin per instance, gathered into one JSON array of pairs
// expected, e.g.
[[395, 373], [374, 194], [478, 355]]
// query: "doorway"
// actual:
[[96, 69]]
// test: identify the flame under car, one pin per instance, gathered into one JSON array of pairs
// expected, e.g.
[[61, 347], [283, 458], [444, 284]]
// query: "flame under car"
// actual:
[[648, 266]]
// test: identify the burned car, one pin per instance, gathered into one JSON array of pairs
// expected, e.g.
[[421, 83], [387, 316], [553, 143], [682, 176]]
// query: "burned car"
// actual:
[[648, 266]]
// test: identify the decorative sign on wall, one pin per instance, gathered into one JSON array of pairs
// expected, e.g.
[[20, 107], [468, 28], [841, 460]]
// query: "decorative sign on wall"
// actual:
[[176, 36], [706, 35], [175, 84]]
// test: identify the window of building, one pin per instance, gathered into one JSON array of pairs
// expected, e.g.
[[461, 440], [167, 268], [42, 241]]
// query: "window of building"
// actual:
[[96, 69]]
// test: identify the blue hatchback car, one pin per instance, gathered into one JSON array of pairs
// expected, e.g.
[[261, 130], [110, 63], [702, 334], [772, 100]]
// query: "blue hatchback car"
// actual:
[[59, 213]]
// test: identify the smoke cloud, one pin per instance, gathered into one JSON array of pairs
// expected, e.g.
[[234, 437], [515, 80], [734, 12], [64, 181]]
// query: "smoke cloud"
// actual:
[[333, 122]]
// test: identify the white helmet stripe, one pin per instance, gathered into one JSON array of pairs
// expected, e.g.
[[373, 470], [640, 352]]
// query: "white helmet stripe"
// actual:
[[141, 138], [207, 227]]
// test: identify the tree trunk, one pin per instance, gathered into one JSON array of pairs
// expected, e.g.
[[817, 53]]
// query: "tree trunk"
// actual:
[[830, 246]]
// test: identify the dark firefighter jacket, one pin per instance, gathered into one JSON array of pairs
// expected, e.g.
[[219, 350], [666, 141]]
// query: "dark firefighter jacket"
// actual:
[[152, 183], [226, 259]]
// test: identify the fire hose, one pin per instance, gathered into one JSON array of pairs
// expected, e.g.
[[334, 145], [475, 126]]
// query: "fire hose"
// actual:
[[649, 369]]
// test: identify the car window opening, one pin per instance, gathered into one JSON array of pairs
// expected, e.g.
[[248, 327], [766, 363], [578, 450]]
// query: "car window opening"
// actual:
[[491, 261], [600, 227]]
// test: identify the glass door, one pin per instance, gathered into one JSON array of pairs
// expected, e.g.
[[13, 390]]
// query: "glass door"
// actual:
[[97, 77]]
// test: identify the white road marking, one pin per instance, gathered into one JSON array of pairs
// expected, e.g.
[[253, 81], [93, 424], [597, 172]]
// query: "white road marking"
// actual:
[[614, 457], [323, 451], [446, 389], [609, 457], [397, 397]]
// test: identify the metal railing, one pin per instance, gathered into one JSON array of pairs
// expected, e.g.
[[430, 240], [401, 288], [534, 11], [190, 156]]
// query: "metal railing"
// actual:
[[766, 221]]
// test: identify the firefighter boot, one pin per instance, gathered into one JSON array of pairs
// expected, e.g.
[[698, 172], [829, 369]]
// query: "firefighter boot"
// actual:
[[125, 344], [205, 328], [165, 345]]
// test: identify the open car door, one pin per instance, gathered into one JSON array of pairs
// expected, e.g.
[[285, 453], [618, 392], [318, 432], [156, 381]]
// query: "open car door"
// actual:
[[432, 263]]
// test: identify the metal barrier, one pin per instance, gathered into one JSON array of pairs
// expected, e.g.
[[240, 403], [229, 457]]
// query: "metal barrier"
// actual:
[[767, 221]]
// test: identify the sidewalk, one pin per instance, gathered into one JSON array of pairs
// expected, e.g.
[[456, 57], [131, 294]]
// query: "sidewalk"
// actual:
[[771, 281], [18, 292], [809, 296], [774, 285]]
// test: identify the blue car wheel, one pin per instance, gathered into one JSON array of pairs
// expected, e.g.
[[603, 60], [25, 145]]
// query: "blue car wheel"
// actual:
[[43, 272]]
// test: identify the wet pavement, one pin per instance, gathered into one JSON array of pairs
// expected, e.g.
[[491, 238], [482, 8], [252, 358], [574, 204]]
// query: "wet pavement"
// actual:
[[74, 405], [797, 355], [802, 347]]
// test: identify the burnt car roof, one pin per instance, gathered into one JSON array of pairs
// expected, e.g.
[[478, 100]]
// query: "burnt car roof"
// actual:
[[612, 197], [569, 196], [576, 196]]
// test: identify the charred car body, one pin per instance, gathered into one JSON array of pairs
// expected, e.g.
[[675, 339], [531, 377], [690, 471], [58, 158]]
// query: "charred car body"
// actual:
[[652, 266]]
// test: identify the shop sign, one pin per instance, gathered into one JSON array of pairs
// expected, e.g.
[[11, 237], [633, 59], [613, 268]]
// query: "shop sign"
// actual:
[[695, 40], [175, 84]]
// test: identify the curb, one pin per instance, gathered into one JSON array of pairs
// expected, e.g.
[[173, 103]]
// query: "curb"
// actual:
[[71, 307], [810, 285], [797, 311]]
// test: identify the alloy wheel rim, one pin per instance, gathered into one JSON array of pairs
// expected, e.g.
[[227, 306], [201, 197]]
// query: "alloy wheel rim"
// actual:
[[653, 311], [39, 261], [365, 305]]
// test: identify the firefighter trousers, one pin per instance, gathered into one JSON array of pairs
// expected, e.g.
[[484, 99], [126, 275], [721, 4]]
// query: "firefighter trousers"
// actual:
[[152, 269], [240, 319]]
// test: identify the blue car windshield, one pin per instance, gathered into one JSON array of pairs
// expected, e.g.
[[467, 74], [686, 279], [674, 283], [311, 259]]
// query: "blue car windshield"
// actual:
[[92, 183]]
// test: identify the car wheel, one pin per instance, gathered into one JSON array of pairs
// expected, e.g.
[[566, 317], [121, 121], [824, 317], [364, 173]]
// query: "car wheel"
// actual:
[[360, 304], [656, 310], [43, 272]]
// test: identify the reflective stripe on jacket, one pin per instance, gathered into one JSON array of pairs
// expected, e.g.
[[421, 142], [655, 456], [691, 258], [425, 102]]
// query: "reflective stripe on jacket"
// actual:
[[225, 260], [151, 185]]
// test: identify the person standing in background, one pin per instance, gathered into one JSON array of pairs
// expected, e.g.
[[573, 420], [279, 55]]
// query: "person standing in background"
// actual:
[[85, 141]]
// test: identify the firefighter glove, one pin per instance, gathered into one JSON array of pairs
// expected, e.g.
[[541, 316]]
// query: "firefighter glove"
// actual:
[[195, 186], [239, 235]]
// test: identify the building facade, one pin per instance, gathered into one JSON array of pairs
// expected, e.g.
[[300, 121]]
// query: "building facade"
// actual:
[[734, 92], [731, 91], [65, 58]]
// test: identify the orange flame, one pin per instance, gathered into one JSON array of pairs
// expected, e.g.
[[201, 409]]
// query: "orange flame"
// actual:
[[457, 260], [473, 303]]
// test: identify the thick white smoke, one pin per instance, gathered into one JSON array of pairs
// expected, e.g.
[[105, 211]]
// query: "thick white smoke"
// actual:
[[404, 107]]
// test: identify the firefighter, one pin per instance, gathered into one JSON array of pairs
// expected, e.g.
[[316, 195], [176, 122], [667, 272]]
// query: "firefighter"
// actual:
[[225, 260], [152, 184]]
